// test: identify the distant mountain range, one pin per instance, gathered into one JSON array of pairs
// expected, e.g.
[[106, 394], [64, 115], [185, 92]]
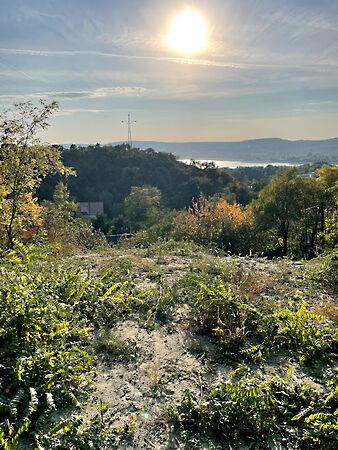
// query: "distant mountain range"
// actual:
[[258, 150]]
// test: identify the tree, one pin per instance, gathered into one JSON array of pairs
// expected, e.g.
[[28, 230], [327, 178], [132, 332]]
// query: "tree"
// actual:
[[305, 233], [60, 214], [279, 204], [298, 211], [141, 206], [24, 162], [327, 180]]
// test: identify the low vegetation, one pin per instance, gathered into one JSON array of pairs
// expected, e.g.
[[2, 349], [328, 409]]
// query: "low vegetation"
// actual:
[[57, 326], [268, 412]]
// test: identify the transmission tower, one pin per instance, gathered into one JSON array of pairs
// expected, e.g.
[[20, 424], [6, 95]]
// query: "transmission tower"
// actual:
[[129, 123]]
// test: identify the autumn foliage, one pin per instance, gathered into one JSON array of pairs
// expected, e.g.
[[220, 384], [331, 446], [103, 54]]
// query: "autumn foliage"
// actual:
[[217, 222]]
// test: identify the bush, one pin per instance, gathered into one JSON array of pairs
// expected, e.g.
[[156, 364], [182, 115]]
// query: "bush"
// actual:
[[273, 412], [215, 222], [297, 329], [324, 270], [47, 323]]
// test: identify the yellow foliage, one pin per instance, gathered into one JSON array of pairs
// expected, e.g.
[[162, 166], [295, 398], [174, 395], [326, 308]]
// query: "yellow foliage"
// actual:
[[28, 219], [232, 214], [212, 221], [32, 216]]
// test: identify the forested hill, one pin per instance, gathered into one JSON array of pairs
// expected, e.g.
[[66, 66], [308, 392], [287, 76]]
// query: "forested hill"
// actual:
[[107, 173], [257, 150]]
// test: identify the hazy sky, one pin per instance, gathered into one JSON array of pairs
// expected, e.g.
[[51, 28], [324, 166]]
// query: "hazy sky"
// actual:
[[270, 68]]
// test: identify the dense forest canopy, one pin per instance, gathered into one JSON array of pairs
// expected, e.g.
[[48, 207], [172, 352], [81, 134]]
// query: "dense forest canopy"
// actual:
[[106, 173], [269, 210]]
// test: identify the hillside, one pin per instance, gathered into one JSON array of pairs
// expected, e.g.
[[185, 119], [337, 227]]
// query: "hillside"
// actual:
[[106, 173], [258, 150]]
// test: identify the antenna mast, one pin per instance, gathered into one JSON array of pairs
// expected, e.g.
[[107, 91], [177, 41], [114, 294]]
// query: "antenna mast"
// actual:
[[129, 123]]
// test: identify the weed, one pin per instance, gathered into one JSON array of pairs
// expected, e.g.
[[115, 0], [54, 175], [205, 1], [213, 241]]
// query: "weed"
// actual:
[[273, 412], [324, 270], [217, 309], [114, 346], [297, 329], [175, 248]]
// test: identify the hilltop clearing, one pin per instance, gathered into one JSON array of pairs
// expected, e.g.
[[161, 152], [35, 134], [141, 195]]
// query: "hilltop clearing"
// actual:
[[147, 361], [167, 347]]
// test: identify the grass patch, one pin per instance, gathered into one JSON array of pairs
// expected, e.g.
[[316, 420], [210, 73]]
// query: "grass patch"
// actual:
[[114, 347]]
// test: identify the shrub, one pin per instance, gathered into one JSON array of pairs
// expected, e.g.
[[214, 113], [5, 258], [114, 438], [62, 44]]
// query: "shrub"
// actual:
[[297, 329], [217, 309], [215, 222], [114, 347], [273, 412]]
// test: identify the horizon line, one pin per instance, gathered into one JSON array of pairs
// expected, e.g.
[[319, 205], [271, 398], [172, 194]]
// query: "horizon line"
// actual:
[[123, 141]]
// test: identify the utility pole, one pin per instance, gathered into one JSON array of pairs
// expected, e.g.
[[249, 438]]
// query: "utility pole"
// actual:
[[129, 123]]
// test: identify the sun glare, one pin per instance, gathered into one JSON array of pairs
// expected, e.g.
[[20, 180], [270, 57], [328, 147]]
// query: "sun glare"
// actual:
[[188, 33]]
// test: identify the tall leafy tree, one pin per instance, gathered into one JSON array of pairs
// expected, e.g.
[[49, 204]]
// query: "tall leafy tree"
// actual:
[[24, 162], [327, 180], [278, 206], [141, 206]]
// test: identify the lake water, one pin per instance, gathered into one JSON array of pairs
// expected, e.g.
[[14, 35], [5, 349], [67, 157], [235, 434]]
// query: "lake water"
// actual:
[[235, 164]]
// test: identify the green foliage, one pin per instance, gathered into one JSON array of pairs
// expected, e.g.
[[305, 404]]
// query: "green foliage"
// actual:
[[324, 270], [299, 330], [44, 346], [297, 213], [25, 162], [141, 207], [120, 168], [271, 412], [279, 204], [64, 229], [217, 309], [250, 330], [47, 321], [77, 432]]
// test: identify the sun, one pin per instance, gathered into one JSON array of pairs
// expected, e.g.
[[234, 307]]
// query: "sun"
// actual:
[[188, 33]]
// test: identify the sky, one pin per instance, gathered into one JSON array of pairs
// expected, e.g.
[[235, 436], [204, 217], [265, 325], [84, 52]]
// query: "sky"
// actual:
[[270, 68]]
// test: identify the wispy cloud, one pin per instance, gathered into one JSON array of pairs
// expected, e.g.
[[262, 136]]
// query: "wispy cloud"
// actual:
[[265, 57], [70, 53], [128, 91], [71, 112], [218, 62]]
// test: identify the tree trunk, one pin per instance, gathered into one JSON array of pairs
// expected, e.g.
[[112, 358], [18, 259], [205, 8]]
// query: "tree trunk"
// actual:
[[285, 245], [10, 237]]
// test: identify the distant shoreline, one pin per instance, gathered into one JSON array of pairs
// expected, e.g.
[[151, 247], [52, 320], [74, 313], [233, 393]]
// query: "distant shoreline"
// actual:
[[235, 164]]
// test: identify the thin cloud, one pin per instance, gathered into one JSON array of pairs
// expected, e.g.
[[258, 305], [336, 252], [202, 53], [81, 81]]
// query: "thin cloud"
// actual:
[[66, 53], [128, 91], [177, 60], [70, 112]]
